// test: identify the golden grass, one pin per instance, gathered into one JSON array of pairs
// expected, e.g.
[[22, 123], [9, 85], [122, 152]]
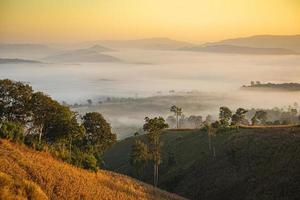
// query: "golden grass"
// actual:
[[13, 188], [59, 180]]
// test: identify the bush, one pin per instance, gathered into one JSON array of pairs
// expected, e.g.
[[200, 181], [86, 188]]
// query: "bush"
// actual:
[[90, 162], [12, 131], [33, 141]]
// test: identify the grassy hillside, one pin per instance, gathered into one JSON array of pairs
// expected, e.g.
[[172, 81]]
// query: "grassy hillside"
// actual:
[[26, 174], [257, 163]]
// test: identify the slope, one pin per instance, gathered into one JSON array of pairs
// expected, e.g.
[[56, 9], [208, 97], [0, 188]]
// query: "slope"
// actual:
[[291, 42], [57, 180], [233, 49], [256, 163]]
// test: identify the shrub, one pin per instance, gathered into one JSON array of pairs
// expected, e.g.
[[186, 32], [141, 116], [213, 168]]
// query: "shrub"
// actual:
[[33, 142], [12, 131], [90, 162]]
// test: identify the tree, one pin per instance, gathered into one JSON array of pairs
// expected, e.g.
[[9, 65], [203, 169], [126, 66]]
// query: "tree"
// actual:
[[225, 116], [139, 156], [98, 132], [177, 112], [44, 110], [90, 102], [14, 101], [208, 119], [238, 117], [260, 117], [153, 127], [195, 121], [211, 129]]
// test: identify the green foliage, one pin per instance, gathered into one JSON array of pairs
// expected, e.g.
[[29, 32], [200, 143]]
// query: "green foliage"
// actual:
[[260, 118], [139, 156], [90, 162], [12, 131], [15, 101], [50, 125], [251, 164], [153, 127], [98, 131], [238, 117]]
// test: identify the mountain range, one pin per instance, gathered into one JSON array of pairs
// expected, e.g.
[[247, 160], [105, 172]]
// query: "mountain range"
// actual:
[[91, 54], [146, 44], [233, 49], [97, 51]]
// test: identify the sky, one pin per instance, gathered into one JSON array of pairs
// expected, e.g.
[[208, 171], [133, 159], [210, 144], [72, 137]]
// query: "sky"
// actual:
[[188, 20]]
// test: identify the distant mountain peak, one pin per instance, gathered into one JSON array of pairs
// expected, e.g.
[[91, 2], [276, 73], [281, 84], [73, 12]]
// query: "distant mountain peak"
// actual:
[[288, 42], [234, 49], [99, 48]]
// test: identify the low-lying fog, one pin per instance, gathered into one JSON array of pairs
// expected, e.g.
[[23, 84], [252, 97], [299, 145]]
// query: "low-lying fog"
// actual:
[[216, 77]]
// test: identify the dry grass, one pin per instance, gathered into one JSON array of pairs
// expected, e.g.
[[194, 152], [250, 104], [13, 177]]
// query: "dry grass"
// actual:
[[14, 188], [59, 180]]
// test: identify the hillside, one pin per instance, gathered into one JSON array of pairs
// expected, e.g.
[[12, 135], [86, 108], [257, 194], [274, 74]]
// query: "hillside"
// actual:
[[92, 54], [17, 61], [274, 86], [234, 49], [146, 44], [26, 174], [291, 42], [257, 163]]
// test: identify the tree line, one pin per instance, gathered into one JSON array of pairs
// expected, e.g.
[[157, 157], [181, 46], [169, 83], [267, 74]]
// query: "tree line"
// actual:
[[36, 120], [143, 152]]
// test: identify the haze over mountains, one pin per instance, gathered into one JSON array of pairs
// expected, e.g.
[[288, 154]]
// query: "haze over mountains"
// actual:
[[17, 61], [233, 49], [92, 54], [291, 42], [261, 44], [146, 44], [100, 51]]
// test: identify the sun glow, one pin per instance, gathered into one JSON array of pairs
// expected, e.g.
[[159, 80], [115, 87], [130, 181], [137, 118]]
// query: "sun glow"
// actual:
[[191, 20]]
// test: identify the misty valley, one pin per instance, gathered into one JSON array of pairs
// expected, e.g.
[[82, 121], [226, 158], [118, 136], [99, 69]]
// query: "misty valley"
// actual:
[[145, 82], [184, 121]]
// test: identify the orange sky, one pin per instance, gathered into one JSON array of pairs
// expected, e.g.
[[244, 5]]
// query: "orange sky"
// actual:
[[190, 20]]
